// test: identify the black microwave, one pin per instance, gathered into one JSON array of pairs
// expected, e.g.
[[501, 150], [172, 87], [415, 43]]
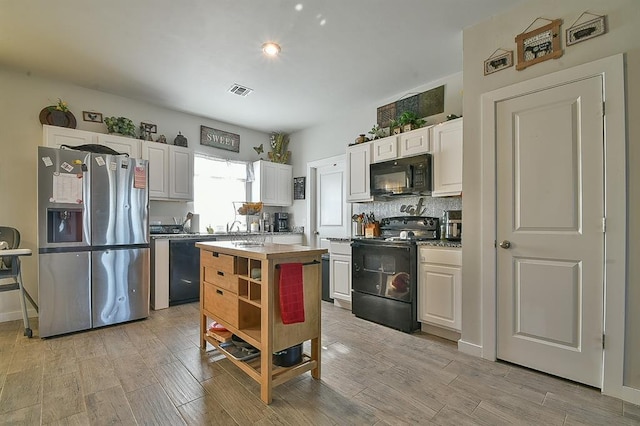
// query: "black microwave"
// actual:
[[404, 176]]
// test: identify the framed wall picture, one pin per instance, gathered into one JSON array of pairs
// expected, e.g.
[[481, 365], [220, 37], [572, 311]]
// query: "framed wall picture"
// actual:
[[539, 45], [498, 61], [586, 30], [94, 117], [298, 188]]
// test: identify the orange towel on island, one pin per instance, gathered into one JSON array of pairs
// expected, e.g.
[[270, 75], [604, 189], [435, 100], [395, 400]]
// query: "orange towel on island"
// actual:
[[291, 293]]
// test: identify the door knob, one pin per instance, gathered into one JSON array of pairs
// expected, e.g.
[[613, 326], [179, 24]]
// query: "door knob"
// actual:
[[505, 244]]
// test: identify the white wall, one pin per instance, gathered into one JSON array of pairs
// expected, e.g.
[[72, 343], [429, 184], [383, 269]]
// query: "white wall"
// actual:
[[499, 32], [332, 138], [22, 98]]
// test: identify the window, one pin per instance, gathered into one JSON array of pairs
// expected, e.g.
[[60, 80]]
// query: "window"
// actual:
[[217, 184]]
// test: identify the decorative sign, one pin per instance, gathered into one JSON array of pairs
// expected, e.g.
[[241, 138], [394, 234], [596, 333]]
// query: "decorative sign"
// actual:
[[422, 104], [417, 210], [539, 45], [219, 139], [498, 61], [586, 30], [298, 188]]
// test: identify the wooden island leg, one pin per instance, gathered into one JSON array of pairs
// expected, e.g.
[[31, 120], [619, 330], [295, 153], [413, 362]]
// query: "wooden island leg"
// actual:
[[315, 355], [203, 331]]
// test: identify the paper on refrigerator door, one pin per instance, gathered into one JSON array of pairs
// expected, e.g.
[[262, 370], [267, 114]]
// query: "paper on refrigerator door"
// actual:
[[67, 188], [140, 177]]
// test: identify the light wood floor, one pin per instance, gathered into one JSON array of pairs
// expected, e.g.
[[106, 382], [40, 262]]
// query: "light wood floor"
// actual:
[[152, 372]]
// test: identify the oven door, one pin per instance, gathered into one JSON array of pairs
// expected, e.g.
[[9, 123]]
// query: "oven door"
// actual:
[[384, 269]]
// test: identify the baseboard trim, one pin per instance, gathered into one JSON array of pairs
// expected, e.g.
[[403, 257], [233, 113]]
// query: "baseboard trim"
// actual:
[[344, 304], [454, 336], [470, 348], [16, 315]]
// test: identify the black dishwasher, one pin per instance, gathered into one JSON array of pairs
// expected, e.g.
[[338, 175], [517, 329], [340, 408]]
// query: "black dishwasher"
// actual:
[[184, 271]]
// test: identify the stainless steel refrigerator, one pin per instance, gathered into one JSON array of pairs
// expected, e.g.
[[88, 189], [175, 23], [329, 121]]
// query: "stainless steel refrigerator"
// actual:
[[93, 237]]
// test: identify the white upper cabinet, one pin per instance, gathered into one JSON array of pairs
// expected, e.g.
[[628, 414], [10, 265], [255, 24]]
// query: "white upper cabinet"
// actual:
[[158, 156], [385, 149], [55, 137], [121, 144], [170, 171], [415, 142], [358, 178], [170, 167], [273, 183], [447, 158], [406, 144], [181, 173]]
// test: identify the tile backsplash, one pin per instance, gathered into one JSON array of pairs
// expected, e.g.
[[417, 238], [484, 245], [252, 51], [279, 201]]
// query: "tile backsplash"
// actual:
[[429, 206]]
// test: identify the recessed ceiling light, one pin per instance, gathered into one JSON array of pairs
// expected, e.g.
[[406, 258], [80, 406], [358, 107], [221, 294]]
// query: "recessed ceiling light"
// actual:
[[271, 49]]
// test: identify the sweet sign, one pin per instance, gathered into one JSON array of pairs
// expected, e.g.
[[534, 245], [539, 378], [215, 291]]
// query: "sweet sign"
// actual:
[[219, 139]]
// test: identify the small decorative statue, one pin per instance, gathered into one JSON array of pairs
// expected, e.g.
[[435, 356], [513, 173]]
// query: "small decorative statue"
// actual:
[[180, 140], [161, 139]]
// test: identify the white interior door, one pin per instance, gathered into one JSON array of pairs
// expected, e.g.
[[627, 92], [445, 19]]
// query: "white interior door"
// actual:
[[550, 234], [328, 206]]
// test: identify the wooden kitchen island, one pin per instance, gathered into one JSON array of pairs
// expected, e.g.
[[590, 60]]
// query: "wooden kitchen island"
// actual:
[[249, 307]]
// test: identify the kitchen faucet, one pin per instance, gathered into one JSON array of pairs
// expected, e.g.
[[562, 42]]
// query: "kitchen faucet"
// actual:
[[234, 223]]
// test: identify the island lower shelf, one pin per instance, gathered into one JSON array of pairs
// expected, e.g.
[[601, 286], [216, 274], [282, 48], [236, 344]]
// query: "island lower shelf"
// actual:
[[278, 374], [239, 290]]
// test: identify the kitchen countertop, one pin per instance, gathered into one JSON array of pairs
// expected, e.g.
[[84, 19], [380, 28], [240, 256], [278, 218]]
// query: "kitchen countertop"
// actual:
[[441, 243], [435, 243], [264, 251], [221, 235]]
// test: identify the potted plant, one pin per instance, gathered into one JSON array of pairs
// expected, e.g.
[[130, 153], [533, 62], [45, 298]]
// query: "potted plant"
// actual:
[[377, 132], [408, 120], [394, 127], [121, 125], [279, 153]]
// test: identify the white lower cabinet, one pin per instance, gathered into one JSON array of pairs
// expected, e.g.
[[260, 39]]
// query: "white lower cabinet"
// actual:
[[440, 287], [340, 271]]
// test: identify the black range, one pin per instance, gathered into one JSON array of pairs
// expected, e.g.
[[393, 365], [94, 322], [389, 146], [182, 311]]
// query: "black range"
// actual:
[[385, 271]]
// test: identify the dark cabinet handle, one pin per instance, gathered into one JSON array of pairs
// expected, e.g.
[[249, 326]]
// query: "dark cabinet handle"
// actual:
[[219, 291], [221, 273], [215, 254]]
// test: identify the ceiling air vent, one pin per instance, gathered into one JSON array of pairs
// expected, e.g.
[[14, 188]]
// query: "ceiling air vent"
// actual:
[[240, 90]]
